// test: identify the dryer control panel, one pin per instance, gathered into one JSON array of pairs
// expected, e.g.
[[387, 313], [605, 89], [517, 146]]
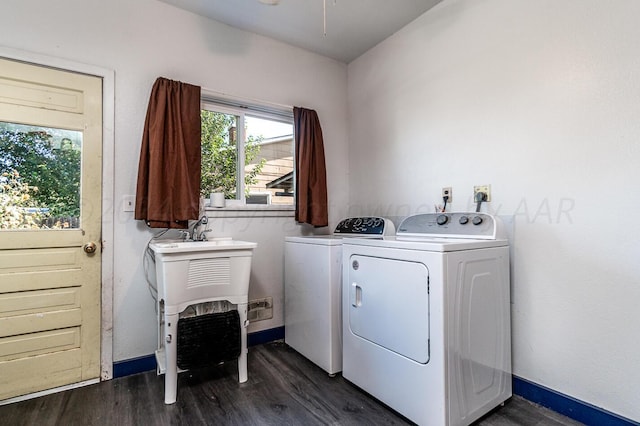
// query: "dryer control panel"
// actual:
[[451, 225]]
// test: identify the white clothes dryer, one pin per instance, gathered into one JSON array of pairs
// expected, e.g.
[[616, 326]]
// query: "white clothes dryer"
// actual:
[[312, 289], [426, 325]]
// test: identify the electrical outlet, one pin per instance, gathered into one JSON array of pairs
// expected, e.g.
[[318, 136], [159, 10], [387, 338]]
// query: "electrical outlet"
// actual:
[[448, 192], [482, 188]]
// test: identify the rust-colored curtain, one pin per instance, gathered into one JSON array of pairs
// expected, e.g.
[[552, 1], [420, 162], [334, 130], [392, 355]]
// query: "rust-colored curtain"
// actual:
[[311, 174], [168, 191]]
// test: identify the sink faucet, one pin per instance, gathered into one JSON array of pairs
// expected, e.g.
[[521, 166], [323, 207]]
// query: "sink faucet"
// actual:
[[194, 235]]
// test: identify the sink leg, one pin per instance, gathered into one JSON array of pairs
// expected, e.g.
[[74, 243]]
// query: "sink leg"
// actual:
[[171, 352], [242, 359]]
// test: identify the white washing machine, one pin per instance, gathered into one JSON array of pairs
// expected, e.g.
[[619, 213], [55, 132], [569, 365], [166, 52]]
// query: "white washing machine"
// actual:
[[426, 325], [312, 289]]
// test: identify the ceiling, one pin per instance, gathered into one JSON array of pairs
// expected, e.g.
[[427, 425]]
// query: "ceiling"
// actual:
[[352, 26]]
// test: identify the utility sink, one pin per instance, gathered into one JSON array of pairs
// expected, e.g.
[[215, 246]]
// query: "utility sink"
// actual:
[[190, 272], [193, 272]]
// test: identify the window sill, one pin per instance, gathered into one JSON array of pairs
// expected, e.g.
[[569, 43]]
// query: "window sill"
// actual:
[[251, 210]]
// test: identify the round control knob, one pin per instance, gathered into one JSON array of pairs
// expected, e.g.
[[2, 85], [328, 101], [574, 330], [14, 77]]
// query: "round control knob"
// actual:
[[464, 220], [477, 220], [442, 219]]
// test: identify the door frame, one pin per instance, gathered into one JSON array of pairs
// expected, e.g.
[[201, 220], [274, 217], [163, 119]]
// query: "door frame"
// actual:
[[108, 174]]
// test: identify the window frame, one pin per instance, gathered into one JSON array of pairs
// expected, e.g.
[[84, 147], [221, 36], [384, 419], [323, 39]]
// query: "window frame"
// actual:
[[241, 109]]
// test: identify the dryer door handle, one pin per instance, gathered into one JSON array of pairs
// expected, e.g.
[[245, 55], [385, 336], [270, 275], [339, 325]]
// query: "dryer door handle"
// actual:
[[356, 295]]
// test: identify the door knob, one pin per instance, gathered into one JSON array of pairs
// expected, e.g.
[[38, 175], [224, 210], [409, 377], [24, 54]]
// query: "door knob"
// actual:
[[90, 248]]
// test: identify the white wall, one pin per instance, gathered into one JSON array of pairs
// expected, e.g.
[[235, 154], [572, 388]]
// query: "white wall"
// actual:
[[142, 40], [540, 99]]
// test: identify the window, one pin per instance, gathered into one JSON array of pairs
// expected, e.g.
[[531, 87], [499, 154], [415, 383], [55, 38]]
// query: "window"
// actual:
[[247, 153], [39, 177]]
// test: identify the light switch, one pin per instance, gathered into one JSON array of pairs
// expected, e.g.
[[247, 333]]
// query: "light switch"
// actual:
[[128, 203]]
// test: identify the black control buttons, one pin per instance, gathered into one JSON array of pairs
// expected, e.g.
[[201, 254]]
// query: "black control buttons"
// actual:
[[361, 225], [464, 220], [477, 220]]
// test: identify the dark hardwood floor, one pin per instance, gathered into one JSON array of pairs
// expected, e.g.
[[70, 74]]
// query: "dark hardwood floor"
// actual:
[[283, 389]]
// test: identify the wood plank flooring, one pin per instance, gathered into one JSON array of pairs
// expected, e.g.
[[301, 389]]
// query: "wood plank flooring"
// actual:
[[283, 389]]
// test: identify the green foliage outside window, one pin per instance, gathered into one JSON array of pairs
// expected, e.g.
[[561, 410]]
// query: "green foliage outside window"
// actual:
[[32, 165], [18, 208], [219, 155]]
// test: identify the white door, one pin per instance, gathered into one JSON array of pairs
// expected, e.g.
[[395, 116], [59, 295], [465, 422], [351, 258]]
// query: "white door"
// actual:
[[50, 225], [389, 304]]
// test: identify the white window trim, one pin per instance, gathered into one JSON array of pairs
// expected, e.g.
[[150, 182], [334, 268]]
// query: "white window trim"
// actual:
[[235, 106]]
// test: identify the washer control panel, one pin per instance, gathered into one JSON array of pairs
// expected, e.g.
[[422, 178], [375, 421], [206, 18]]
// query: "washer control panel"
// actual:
[[449, 225], [363, 225]]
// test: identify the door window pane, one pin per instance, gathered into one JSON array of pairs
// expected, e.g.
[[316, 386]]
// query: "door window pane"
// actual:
[[39, 177]]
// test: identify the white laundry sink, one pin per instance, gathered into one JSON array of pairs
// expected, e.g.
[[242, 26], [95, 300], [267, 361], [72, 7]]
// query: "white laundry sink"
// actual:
[[193, 272], [190, 272]]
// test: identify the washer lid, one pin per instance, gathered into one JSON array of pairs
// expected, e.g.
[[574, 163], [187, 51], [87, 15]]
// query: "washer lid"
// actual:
[[353, 227], [323, 240]]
